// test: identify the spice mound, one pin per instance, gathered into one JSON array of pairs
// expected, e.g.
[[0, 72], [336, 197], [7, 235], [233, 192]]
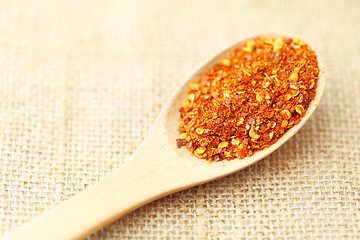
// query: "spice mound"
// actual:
[[249, 99]]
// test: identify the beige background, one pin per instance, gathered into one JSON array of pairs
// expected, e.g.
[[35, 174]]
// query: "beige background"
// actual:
[[82, 81]]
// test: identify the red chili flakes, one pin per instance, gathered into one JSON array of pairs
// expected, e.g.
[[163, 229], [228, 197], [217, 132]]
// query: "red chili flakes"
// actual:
[[249, 99]]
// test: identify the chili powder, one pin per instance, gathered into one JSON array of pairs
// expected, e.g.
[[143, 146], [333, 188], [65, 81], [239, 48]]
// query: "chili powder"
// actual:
[[249, 99]]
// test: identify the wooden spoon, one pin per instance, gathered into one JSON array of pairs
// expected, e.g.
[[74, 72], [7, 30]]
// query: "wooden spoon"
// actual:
[[155, 170]]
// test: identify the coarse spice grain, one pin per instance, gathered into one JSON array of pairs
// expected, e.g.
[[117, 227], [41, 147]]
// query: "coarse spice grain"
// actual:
[[249, 99]]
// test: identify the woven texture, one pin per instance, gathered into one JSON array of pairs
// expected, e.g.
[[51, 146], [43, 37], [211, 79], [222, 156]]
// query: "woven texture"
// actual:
[[81, 82]]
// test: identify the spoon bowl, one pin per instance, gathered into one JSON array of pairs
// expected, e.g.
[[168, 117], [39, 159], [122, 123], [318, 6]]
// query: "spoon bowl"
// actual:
[[228, 167], [158, 168]]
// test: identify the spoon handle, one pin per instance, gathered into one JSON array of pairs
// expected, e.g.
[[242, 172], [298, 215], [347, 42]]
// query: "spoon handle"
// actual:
[[138, 182]]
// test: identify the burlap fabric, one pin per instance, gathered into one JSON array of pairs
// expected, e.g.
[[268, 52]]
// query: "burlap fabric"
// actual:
[[81, 82]]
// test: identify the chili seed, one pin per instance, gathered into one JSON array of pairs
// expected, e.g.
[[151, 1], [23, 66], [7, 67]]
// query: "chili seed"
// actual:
[[288, 97], [183, 135], [225, 62], [191, 97], [235, 141], [223, 145], [299, 109], [295, 93], [298, 41], [267, 96], [194, 85], [312, 84], [284, 123], [259, 97], [285, 114], [294, 76], [278, 43], [199, 130], [200, 150], [269, 136], [197, 154], [227, 154], [253, 134], [249, 46], [226, 94], [185, 104]]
